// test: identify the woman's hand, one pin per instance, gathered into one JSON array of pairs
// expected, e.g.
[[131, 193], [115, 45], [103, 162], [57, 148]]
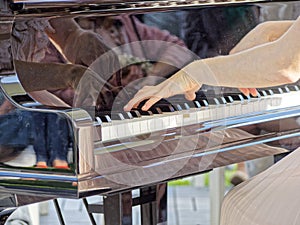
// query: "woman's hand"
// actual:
[[179, 83]]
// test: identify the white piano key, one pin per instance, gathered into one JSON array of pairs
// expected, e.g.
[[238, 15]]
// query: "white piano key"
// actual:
[[113, 132], [245, 108], [136, 127], [121, 129], [144, 124], [227, 110], [220, 112], [105, 131], [172, 121], [179, 119]]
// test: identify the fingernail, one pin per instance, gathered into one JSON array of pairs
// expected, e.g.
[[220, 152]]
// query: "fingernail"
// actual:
[[144, 108]]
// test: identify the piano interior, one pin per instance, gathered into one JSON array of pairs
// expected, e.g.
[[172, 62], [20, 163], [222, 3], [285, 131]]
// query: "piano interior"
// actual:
[[68, 68]]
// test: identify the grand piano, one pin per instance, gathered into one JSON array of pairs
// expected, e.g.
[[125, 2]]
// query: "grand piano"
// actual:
[[47, 71]]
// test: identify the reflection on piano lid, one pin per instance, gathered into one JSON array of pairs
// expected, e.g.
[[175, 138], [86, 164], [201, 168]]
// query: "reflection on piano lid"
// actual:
[[176, 138]]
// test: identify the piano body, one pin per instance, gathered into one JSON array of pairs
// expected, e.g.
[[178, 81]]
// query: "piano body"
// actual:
[[111, 152]]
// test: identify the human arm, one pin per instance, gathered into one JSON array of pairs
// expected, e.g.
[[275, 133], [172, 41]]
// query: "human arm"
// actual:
[[263, 33], [270, 64]]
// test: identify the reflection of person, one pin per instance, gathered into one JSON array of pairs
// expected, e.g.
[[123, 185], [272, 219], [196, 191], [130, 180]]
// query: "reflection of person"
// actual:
[[50, 149], [115, 32], [270, 63], [51, 140], [269, 56]]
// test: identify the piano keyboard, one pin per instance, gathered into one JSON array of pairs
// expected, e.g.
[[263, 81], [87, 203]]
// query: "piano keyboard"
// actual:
[[174, 114]]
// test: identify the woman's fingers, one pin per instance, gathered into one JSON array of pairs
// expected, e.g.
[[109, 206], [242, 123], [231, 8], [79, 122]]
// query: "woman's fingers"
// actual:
[[134, 102], [190, 95], [245, 91], [177, 84], [150, 103], [146, 92], [248, 91], [253, 91]]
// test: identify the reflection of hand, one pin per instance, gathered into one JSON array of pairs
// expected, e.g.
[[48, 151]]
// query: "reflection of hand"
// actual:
[[180, 83]]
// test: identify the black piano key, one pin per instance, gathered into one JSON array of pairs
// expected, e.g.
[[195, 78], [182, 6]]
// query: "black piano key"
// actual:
[[277, 90], [165, 107], [144, 113], [286, 89], [127, 115], [203, 103], [117, 116], [270, 92], [237, 97], [228, 99], [280, 90], [184, 104], [222, 100], [246, 97], [262, 93], [177, 107], [213, 101], [188, 105], [105, 118], [194, 104], [155, 110], [293, 87], [197, 104], [135, 113]]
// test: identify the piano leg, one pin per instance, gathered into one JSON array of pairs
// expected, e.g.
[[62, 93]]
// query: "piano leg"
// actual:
[[118, 209], [155, 211], [58, 212], [217, 190]]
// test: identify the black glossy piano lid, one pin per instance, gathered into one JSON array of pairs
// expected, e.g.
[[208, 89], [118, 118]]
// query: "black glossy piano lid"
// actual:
[[54, 7]]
